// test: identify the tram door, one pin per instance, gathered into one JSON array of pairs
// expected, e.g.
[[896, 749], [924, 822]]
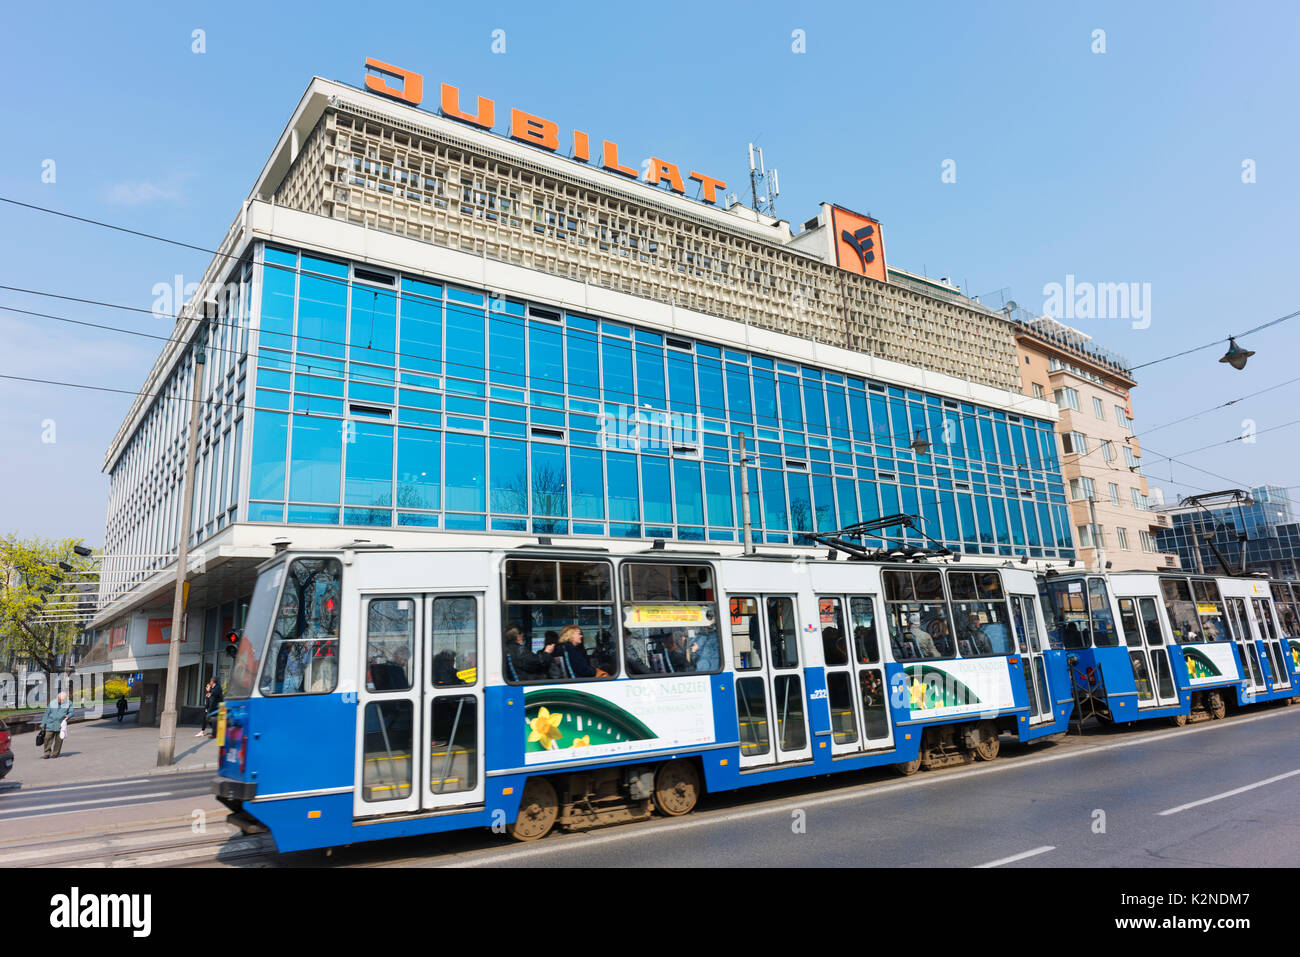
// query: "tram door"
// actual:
[[855, 676], [420, 704], [1268, 631], [1246, 646], [1148, 653], [770, 697], [1025, 611]]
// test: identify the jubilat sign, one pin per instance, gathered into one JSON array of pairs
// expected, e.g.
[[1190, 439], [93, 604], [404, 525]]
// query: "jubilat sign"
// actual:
[[408, 87]]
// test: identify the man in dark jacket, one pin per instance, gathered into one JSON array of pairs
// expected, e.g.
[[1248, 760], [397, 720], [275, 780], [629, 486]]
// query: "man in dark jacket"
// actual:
[[212, 698], [523, 664]]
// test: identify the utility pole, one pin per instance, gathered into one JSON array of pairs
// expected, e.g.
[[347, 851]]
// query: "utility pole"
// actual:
[[167, 726], [744, 497], [1096, 533]]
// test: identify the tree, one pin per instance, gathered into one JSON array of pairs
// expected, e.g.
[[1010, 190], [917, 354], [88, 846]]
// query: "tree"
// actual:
[[36, 611]]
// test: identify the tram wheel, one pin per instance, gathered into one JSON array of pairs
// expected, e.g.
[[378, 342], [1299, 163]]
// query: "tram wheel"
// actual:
[[677, 788], [989, 744], [908, 768], [1217, 707], [538, 809], [1178, 720]]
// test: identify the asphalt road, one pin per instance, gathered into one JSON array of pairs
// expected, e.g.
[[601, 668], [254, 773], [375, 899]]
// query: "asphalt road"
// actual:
[[1223, 793]]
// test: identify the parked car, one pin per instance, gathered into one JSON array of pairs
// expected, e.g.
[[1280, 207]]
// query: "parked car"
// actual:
[[6, 752]]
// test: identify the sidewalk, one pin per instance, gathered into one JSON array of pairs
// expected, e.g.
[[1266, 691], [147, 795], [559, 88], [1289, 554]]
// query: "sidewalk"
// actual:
[[103, 750]]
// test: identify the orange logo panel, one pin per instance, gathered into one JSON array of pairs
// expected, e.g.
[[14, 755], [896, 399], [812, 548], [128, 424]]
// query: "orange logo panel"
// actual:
[[859, 247]]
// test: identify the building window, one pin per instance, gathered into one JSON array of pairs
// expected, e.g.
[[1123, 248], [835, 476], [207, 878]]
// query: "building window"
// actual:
[[1122, 419], [1087, 535], [1139, 500], [1114, 494], [1108, 450], [1038, 391], [1082, 489], [1074, 443], [1122, 535], [1130, 459], [1148, 544], [1067, 398]]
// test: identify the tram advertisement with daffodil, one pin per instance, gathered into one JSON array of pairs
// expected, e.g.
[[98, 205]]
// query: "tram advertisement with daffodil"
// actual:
[[968, 686], [1209, 664], [566, 722]]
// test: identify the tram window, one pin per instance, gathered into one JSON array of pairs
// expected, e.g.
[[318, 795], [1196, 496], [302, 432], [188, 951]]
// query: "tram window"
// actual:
[[982, 628], [1289, 619], [1103, 622], [386, 750], [543, 598], [252, 637], [783, 633], [1209, 610], [302, 656], [746, 634], [1181, 609], [961, 586], [453, 743], [1070, 624], [1128, 620], [1205, 590], [862, 615], [1264, 614], [390, 644], [834, 640], [844, 723], [917, 629], [1031, 624], [645, 581], [670, 622], [453, 642], [1151, 622]]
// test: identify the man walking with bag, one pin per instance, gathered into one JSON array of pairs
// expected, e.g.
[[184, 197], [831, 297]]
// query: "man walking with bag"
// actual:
[[54, 724]]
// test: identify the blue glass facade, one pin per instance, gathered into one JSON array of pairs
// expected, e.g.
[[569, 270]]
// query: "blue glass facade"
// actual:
[[392, 400], [1272, 544]]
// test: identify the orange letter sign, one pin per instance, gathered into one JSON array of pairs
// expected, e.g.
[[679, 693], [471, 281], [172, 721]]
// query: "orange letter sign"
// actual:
[[412, 90], [711, 186], [451, 108], [663, 170], [534, 130]]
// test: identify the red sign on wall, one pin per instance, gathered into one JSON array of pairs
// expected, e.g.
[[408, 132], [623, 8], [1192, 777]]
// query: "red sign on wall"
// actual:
[[160, 631]]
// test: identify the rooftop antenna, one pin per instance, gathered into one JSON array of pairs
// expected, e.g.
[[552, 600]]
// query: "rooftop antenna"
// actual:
[[763, 183]]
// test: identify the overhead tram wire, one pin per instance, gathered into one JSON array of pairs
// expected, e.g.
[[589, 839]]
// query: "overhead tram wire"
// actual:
[[1211, 345]]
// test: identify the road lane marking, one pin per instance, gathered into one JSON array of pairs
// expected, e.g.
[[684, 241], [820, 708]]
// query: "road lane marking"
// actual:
[[581, 842], [1232, 793], [1017, 857], [17, 814]]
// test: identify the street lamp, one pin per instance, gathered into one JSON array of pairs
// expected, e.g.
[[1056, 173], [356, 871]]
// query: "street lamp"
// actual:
[[919, 445], [1236, 356]]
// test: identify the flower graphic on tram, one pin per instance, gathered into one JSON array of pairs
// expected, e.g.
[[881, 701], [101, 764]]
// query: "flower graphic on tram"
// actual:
[[561, 719], [1199, 666], [932, 687], [1295, 654], [545, 728]]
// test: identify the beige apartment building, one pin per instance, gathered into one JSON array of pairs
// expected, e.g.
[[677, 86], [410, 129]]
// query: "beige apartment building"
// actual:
[[1101, 459]]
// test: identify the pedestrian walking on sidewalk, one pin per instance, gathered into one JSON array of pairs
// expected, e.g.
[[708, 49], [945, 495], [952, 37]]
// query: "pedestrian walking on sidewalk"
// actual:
[[55, 724], [121, 708], [212, 698]]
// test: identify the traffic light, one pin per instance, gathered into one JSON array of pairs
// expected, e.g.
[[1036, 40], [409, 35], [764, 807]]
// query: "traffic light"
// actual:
[[231, 643]]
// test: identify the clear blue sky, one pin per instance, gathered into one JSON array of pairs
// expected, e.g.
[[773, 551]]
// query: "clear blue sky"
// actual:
[[1123, 166]]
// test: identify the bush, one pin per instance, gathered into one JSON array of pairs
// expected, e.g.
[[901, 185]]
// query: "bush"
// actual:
[[114, 688]]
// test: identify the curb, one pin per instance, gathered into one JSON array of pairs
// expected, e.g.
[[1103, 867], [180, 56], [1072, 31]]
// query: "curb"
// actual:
[[7, 786]]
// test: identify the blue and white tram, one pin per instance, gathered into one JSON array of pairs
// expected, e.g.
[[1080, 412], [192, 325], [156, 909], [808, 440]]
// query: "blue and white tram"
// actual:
[[379, 693], [1174, 646]]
